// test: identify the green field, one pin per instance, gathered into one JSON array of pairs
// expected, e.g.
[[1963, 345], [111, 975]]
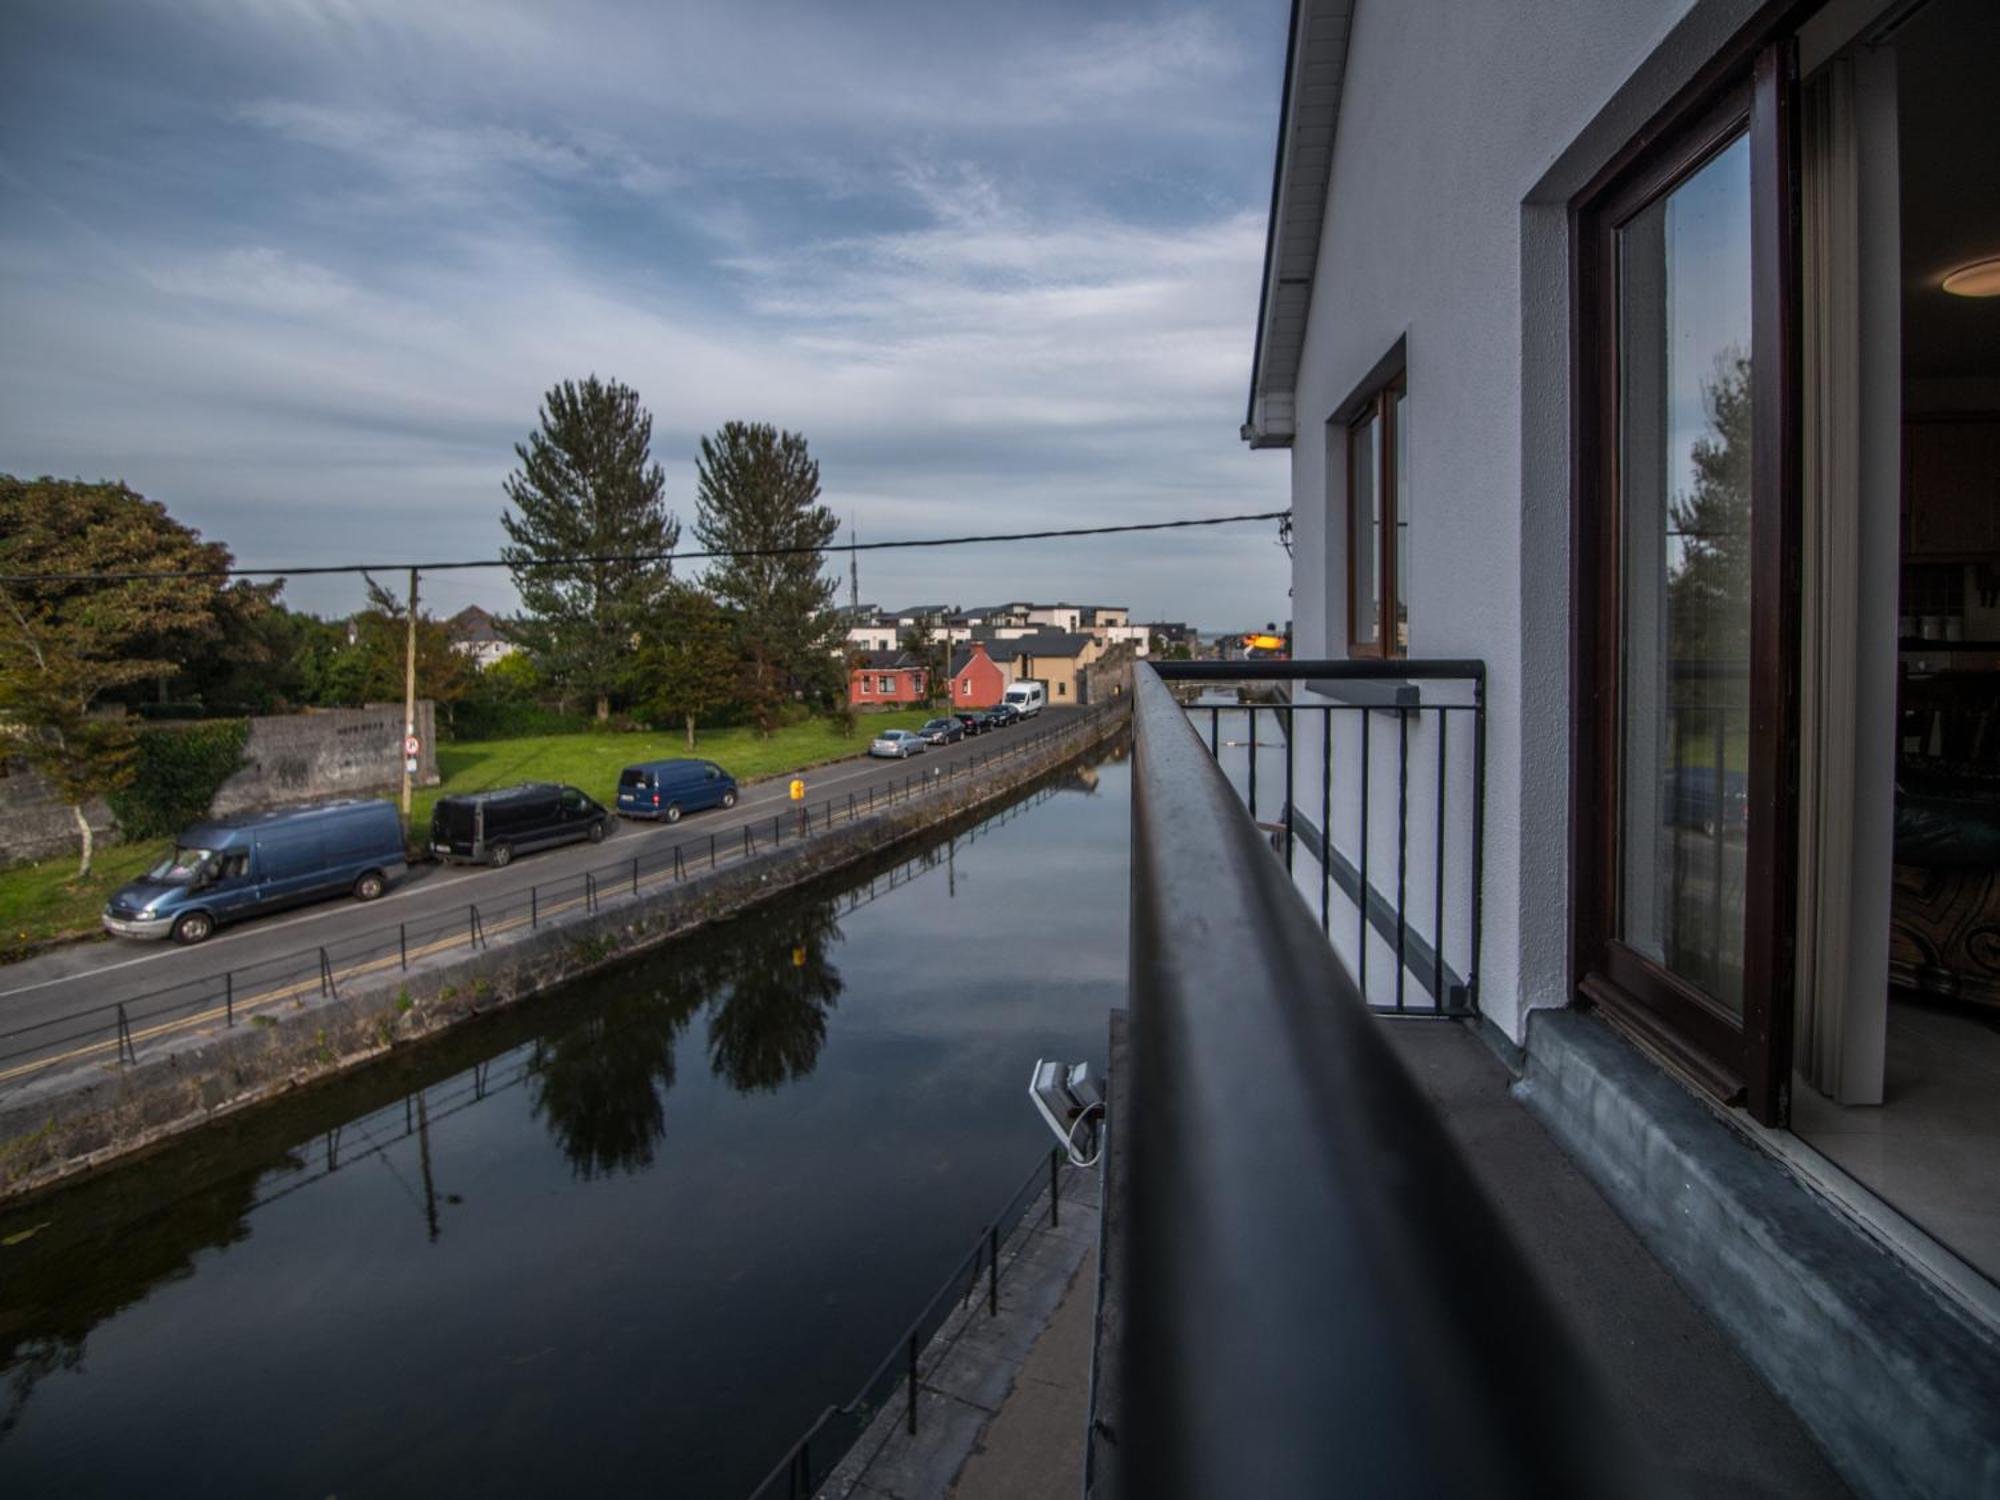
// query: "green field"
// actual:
[[38, 901], [593, 761]]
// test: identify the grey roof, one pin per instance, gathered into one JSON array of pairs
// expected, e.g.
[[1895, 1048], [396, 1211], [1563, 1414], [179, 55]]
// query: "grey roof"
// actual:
[[1315, 75], [473, 624], [885, 661], [1043, 643]]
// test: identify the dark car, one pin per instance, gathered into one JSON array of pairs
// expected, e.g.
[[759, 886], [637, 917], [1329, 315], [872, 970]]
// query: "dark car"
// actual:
[[490, 828], [972, 720], [1002, 715], [945, 731]]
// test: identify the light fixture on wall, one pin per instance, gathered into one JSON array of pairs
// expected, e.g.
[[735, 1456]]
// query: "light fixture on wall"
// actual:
[[1980, 279]]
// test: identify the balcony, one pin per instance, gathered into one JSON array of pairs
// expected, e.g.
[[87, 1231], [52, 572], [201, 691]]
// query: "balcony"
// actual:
[[1337, 1252]]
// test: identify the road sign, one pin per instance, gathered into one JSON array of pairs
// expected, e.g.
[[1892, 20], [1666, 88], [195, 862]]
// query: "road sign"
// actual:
[[411, 745], [798, 789], [410, 765]]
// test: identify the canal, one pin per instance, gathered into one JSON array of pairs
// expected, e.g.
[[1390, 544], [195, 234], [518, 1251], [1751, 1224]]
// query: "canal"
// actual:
[[627, 1239]]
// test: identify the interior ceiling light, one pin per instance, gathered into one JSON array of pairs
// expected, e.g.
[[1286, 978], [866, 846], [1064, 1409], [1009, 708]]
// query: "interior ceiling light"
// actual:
[[1980, 279]]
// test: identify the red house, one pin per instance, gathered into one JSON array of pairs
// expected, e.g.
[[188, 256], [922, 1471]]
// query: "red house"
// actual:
[[886, 677], [977, 681]]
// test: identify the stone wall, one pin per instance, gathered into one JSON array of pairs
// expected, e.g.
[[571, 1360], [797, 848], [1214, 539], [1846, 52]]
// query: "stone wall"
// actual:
[[341, 752], [1109, 678]]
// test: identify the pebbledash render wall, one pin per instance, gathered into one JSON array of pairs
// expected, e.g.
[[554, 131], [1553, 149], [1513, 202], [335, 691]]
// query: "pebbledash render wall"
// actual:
[[290, 758]]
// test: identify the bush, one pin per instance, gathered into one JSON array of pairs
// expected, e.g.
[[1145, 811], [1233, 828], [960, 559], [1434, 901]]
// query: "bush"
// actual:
[[491, 720], [179, 773]]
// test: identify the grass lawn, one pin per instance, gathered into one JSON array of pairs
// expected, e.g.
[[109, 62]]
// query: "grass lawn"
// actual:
[[593, 761], [39, 901]]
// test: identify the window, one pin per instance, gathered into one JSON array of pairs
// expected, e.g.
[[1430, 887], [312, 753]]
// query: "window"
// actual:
[[1378, 524], [1062, 689], [885, 685]]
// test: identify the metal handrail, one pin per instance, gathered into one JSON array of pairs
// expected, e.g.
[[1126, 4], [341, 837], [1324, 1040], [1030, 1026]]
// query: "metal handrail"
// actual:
[[797, 1474], [1314, 1292], [117, 1029]]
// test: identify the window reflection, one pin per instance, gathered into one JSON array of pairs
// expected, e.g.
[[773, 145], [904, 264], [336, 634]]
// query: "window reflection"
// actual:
[[1684, 490]]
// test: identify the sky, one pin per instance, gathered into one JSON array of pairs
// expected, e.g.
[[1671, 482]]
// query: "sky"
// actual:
[[303, 270]]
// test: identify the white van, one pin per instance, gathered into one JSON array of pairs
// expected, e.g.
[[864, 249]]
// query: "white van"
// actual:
[[1027, 698]]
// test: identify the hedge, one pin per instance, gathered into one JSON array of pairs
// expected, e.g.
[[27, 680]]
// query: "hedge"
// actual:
[[179, 772]]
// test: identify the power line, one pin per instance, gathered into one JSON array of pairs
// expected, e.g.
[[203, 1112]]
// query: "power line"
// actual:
[[638, 557]]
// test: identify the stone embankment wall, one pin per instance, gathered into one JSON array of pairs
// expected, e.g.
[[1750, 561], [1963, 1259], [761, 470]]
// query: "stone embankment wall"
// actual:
[[290, 758], [56, 1127]]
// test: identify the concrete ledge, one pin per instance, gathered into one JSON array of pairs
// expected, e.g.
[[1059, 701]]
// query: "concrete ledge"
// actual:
[[56, 1127], [1897, 1384]]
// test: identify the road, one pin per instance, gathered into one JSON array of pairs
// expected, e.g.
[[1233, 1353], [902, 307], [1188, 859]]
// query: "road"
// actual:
[[88, 976]]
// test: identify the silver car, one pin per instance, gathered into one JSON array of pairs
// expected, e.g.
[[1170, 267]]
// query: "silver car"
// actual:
[[897, 744]]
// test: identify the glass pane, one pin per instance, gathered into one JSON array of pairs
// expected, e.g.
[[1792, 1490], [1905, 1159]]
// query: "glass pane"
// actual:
[[1364, 462], [1399, 430], [1684, 486]]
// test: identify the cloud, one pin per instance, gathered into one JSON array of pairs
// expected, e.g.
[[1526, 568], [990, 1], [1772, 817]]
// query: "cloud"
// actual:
[[316, 312]]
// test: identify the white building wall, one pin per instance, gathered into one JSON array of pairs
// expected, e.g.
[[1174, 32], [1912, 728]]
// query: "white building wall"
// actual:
[[1452, 114]]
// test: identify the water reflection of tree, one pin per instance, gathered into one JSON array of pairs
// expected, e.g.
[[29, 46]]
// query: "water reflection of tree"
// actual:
[[600, 1087], [769, 1028]]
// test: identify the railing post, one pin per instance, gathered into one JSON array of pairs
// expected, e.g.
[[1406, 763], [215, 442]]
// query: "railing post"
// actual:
[[711, 851], [229, 997], [635, 870], [534, 906], [993, 1270], [403, 944], [589, 891], [476, 929], [326, 987], [680, 865], [913, 1378], [127, 1051]]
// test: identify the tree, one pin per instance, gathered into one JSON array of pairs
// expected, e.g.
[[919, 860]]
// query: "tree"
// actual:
[[588, 498], [66, 642], [931, 647], [1709, 537], [757, 492], [686, 666]]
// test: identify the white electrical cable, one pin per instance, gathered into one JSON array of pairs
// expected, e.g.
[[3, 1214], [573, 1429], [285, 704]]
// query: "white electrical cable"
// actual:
[[1069, 1142]]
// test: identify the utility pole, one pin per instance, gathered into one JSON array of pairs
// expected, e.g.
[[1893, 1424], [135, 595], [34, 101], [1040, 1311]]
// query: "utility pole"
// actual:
[[410, 698]]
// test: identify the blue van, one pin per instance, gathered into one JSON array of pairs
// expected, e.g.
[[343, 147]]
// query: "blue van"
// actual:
[[665, 789], [232, 868]]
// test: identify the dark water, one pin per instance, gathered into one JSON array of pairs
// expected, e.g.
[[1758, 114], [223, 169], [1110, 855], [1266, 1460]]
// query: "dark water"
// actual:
[[628, 1240]]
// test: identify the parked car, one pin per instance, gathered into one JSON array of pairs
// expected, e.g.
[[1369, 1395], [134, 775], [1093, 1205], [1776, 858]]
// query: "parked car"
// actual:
[[1026, 698], [665, 789], [230, 868], [490, 828], [945, 731], [973, 720], [1003, 715], [897, 744]]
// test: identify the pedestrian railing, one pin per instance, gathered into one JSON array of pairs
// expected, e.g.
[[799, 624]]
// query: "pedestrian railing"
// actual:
[[1375, 773], [114, 1034], [898, 1377]]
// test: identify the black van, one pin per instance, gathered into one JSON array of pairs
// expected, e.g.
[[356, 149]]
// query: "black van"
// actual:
[[490, 828]]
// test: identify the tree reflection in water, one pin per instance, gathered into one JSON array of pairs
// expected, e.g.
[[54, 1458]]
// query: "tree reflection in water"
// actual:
[[601, 1086]]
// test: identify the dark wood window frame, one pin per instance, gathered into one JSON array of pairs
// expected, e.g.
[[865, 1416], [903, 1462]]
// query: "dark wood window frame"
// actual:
[[1379, 402], [1746, 1059]]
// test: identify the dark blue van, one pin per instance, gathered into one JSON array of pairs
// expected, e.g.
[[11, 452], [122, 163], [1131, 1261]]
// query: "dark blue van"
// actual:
[[232, 868], [665, 789]]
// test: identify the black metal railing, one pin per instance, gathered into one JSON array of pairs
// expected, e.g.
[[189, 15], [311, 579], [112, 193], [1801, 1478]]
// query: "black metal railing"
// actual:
[[824, 1444], [1314, 1295], [1375, 772], [120, 1032]]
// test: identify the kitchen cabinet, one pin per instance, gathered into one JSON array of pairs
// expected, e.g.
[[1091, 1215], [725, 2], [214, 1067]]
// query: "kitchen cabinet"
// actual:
[[1951, 487]]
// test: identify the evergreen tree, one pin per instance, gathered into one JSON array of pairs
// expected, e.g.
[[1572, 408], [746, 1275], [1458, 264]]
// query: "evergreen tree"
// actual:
[[686, 666], [586, 488], [758, 491], [1709, 537]]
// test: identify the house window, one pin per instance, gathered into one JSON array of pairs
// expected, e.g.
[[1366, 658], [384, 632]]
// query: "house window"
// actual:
[[1062, 689], [1378, 521], [885, 685]]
